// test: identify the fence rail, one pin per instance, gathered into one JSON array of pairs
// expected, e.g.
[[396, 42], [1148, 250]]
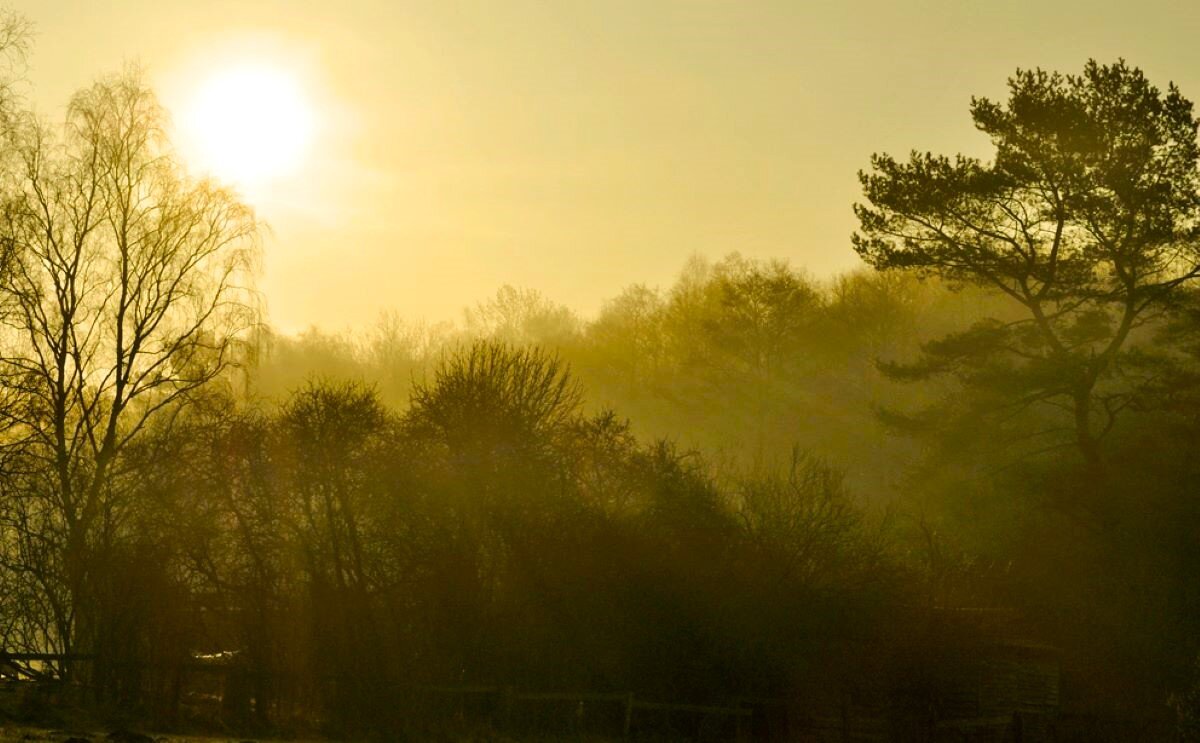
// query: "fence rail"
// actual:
[[508, 696], [624, 704]]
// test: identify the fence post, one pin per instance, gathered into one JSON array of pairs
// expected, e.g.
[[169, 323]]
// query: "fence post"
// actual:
[[845, 713], [628, 713], [506, 705]]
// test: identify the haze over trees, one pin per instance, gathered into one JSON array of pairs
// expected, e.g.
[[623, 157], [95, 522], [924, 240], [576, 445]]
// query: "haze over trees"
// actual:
[[752, 484]]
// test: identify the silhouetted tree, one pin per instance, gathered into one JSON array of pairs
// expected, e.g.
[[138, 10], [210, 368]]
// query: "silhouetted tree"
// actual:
[[1086, 219], [127, 292]]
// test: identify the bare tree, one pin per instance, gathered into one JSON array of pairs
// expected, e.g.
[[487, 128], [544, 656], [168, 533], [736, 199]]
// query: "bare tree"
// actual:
[[126, 295], [15, 34]]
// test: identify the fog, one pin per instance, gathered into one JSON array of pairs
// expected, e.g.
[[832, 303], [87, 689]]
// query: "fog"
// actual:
[[465, 146], [380, 373]]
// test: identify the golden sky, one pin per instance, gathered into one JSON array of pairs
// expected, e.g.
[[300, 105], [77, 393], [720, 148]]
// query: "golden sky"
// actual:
[[577, 146]]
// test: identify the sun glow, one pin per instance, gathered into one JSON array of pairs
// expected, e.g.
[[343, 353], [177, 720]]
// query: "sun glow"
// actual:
[[249, 125]]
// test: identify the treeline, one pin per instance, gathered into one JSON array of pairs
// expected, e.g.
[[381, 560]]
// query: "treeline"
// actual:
[[743, 358], [492, 533], [971, 501], [339, 552]]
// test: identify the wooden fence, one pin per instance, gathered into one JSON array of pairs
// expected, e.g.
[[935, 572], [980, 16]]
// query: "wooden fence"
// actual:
[[624, 713], [506, 705], [508, 701]]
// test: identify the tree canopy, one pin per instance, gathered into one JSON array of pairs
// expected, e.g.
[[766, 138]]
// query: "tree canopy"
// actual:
[[1087, 218]]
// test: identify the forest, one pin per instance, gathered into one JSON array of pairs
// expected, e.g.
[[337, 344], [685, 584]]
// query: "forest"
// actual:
[[822, 499]]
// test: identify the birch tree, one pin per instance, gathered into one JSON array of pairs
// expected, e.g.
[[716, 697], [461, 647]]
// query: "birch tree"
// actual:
[[125, 298]]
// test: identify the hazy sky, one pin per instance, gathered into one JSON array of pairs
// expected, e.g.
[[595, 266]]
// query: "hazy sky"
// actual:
[[577, 147]]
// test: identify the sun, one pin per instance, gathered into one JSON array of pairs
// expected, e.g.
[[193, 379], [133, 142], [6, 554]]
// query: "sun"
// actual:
[[249, 125]]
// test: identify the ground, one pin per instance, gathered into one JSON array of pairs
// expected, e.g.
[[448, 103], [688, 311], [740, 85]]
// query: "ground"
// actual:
[[11, 734]]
